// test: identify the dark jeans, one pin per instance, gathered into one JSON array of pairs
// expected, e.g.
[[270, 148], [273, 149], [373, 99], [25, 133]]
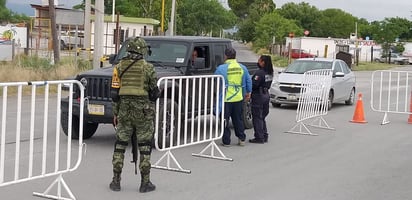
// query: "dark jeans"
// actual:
[[260, 109], [233, 110]]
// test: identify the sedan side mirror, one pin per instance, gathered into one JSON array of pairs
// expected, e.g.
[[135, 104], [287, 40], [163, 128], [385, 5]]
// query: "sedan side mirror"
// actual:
[[339, 74]]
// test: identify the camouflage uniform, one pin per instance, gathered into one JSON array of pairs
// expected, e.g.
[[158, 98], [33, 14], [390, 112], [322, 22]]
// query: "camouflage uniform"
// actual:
[[135, 114]]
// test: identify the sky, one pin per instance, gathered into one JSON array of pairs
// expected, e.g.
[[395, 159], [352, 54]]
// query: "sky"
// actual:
[[371, 10]]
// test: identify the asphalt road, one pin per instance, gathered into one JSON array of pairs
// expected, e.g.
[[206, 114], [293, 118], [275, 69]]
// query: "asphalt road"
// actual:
[[355, 161]]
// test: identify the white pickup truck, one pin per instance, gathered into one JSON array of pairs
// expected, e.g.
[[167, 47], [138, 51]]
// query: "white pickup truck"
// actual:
[[69, 39]]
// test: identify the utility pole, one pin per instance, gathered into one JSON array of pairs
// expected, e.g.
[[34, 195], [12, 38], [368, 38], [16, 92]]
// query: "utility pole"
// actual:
[[113, 8], [52, 14], [87, 31], [172, 18], [162, 24], [356, 44], [98, 33]]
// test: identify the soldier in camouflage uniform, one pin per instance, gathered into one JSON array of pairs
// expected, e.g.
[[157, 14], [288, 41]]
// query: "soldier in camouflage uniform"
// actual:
[[134, 112]]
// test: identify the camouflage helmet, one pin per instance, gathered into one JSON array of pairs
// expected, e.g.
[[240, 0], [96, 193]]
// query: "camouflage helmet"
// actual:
[[137, 45]]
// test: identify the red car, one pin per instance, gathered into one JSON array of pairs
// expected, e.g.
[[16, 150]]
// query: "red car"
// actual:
[[300, 53]]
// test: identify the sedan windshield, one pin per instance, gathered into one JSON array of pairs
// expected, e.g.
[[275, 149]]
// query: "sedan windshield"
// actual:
[[302, 66]]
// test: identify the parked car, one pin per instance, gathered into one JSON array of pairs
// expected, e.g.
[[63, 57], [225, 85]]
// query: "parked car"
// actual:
[[71, 39], [300, 53], [286, 89], [394, 59]]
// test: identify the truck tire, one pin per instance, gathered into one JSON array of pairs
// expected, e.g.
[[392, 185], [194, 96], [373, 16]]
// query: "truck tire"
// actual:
[[167, 137], [247, 115], [88, 128]]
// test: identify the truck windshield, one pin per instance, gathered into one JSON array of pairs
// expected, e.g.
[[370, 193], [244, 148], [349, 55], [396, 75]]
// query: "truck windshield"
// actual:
[[168, 52]]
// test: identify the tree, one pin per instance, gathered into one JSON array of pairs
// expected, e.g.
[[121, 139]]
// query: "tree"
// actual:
[[258, 9], [200, 17], [240, 7], [334, 23], [389, 32], [305, 15], [7, 16], [274, 25], [52, 14]]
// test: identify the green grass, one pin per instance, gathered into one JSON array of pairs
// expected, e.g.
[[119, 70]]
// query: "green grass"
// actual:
[[371, 66]]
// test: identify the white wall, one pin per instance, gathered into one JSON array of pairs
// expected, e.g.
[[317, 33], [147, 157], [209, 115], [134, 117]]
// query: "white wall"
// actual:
[[20, 34]]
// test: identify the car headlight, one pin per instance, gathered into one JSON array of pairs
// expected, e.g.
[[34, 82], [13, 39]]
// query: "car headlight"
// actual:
[[275, 84]]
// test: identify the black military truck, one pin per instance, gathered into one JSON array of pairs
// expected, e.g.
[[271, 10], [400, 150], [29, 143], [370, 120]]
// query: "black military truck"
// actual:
[[170, 55]]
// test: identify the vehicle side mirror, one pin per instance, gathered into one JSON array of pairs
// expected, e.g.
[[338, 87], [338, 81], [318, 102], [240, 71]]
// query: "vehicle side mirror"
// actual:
[[149, 51], [112, 59], [339, 74]]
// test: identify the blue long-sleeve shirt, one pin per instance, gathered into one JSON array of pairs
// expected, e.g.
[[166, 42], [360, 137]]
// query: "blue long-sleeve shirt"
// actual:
[[246, 83]]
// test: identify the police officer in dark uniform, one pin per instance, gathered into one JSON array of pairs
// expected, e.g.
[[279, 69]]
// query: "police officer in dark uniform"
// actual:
[[261, 81]]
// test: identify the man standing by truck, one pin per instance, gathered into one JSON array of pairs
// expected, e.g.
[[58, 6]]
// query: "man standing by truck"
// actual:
[[238, 88], [134, 112]]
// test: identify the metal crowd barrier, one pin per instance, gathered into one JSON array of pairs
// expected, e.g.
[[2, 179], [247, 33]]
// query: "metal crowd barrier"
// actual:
[[30, 144], [394, 92], [313, 101], [186, 115]]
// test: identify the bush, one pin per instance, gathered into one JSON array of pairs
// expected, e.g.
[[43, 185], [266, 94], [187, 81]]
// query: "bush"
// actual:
[[34, 68], [34, 62]]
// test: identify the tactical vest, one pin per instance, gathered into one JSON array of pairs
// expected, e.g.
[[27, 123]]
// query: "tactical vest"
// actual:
[[234, 90], [132, 82]]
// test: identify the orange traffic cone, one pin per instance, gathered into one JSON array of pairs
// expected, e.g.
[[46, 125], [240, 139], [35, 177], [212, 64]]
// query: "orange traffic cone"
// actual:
[[359, 116]]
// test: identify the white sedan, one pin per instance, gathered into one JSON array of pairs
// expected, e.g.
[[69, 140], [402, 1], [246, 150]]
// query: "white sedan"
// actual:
[[286, 88]]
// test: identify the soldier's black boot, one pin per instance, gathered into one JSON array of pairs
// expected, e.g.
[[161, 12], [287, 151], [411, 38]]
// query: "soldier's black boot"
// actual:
[[146, 187], [115, 184]]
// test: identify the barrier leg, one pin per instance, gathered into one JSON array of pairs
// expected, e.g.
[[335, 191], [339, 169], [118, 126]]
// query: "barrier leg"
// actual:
[[300, 126], [212, 146], [59, 181], [320, 122], [168, 155], [385, 119]]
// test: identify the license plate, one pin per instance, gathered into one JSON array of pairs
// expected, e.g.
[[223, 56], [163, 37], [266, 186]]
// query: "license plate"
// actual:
[[292, 97], [95, 109]]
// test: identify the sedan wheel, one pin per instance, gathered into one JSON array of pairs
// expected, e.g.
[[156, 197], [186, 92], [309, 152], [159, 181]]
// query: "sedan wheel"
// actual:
[[330, 100], [351, 98]]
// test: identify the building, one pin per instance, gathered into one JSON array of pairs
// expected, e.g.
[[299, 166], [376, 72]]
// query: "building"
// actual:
[[129, 27], [328, 47], [68, 20]]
